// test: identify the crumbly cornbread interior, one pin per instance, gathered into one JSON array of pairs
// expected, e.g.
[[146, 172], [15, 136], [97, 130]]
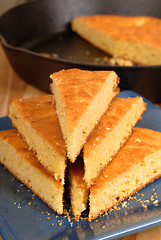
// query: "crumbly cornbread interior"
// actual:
[[81, 98], [110, 134]]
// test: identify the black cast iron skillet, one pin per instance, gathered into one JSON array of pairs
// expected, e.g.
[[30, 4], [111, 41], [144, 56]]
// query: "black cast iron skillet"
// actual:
[[43, 26]]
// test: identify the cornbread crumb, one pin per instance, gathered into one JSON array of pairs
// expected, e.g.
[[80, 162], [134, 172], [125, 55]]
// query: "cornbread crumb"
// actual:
[[144, 206], [116, 208], [152, 198], [124, 204], [156, 202]]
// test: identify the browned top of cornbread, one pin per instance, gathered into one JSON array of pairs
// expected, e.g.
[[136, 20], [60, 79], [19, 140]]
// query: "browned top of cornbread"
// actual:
[[13, 139], [141, 29], [78, 88], [142, 143], [40, 112], [117, 109]]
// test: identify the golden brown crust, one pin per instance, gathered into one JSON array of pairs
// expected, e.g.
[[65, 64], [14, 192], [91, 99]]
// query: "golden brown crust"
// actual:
[[143, 142], [78, 88], [141, 29], [41, 115]]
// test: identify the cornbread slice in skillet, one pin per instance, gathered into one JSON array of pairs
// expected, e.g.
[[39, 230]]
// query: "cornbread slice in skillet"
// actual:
[[36, 120], [110, 134], [137, 164], [77, 188], [81, 98], [133, 38], [23, 164]]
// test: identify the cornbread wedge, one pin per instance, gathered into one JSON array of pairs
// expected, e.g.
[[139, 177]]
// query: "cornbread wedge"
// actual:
[[81, 98], [110, 134], [36, 120], [132, 38], [137, 164], [77, 189], [23, 164]]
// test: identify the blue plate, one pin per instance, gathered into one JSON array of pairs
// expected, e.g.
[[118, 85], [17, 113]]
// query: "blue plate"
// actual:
[[24, 216]]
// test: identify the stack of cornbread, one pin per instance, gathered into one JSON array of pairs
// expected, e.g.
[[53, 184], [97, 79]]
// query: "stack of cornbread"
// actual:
[[82, 129]]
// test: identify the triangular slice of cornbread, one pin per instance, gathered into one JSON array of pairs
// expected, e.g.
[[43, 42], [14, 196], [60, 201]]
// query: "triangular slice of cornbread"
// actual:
[[23, 164], [137, 164], [110, 134], [36, 120], [81, 98], [77, 188], [129, 37]]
